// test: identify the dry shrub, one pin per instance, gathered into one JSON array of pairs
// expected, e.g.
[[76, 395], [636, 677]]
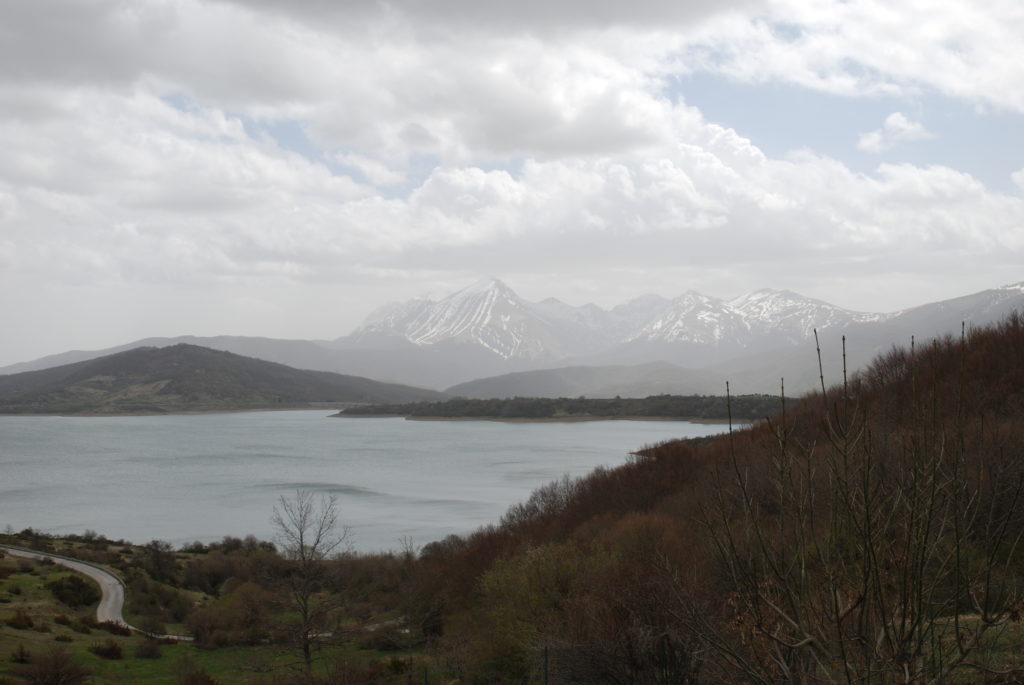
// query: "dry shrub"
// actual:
[[107, 649], [20, 621], [54, 666]]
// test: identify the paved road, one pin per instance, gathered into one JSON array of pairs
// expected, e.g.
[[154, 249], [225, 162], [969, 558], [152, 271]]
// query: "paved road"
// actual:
[[111, 604]]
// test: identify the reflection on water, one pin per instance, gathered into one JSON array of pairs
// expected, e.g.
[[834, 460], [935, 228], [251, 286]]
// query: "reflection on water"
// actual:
[[201, 477]]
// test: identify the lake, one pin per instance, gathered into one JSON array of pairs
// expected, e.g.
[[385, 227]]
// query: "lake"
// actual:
[[200, 477]]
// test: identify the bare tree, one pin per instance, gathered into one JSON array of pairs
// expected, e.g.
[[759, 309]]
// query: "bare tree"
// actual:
[[886, 552], [309, 533]]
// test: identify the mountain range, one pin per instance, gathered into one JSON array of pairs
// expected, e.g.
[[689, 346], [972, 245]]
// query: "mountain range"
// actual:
[[693, 328], [486, 340]]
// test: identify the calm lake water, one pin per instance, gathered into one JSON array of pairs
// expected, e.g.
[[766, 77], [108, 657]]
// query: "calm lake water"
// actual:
[[201, 477]]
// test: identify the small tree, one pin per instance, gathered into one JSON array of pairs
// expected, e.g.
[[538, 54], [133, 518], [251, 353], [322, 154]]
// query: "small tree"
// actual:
[[159, 561], [309, 533]]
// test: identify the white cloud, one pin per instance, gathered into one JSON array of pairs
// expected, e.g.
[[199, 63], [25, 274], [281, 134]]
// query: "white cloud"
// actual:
[[476, 79], [207, 201], [896, 129], [489, 137], [1018, 178], [872, 47]]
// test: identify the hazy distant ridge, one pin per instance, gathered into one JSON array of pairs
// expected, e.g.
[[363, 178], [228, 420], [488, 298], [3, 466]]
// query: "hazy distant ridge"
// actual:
[[185, 378], [641, 380], [550, 348]]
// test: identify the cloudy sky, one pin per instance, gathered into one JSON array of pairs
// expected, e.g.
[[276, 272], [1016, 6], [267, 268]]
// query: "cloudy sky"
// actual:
[[282, 167]]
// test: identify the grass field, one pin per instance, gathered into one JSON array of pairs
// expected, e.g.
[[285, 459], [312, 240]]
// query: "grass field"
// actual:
[[51, 624]]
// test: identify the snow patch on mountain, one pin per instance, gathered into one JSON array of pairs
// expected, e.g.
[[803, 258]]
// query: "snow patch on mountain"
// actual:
[[794, 316], [487, 313], [693, 318]]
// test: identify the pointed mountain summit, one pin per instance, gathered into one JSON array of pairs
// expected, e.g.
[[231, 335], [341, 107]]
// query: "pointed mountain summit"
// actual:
[[790, 317], [488, 314]]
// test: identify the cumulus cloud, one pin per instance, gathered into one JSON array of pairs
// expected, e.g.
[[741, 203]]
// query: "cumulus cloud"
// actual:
[[871, 47], [1018, 178], [480, 137], [489, 79], [896, 129], [498, 17], [157, 193]]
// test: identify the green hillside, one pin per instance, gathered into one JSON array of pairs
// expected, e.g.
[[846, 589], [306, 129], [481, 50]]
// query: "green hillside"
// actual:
[[870, 533], [185, 378]]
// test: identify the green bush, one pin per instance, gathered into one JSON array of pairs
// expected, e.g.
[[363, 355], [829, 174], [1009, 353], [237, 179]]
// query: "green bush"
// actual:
[[74, 591]]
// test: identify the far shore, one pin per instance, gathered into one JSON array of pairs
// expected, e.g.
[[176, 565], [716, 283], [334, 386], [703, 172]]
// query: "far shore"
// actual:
[[320, 406], [339, 415], [543, 419]]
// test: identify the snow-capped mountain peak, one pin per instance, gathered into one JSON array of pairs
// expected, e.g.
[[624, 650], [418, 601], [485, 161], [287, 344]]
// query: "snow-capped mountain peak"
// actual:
[[792, 315], [694, 318], [484, 286], [487, 313]]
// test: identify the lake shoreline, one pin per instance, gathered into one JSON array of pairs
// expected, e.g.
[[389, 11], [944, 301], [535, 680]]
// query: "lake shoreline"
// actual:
[[182, 478], [543, 419], [184, 412]]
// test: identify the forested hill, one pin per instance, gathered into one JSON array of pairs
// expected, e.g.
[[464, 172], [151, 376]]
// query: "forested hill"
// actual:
[[183, 378], [868, 534], [710, 407]]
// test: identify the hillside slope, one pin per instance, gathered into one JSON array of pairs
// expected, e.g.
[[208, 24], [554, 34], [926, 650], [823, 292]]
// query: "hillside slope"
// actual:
[[869, 526], [183, 378], [655, 378]]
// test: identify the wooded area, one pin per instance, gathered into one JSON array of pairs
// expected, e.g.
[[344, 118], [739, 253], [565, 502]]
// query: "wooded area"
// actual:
[[712, 407]]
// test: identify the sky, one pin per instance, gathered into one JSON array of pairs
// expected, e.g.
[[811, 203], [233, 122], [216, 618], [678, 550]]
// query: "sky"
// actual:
[[281, 168]]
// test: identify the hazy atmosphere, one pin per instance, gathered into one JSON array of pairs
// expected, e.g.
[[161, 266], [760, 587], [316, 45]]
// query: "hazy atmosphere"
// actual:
[[279, 168]]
